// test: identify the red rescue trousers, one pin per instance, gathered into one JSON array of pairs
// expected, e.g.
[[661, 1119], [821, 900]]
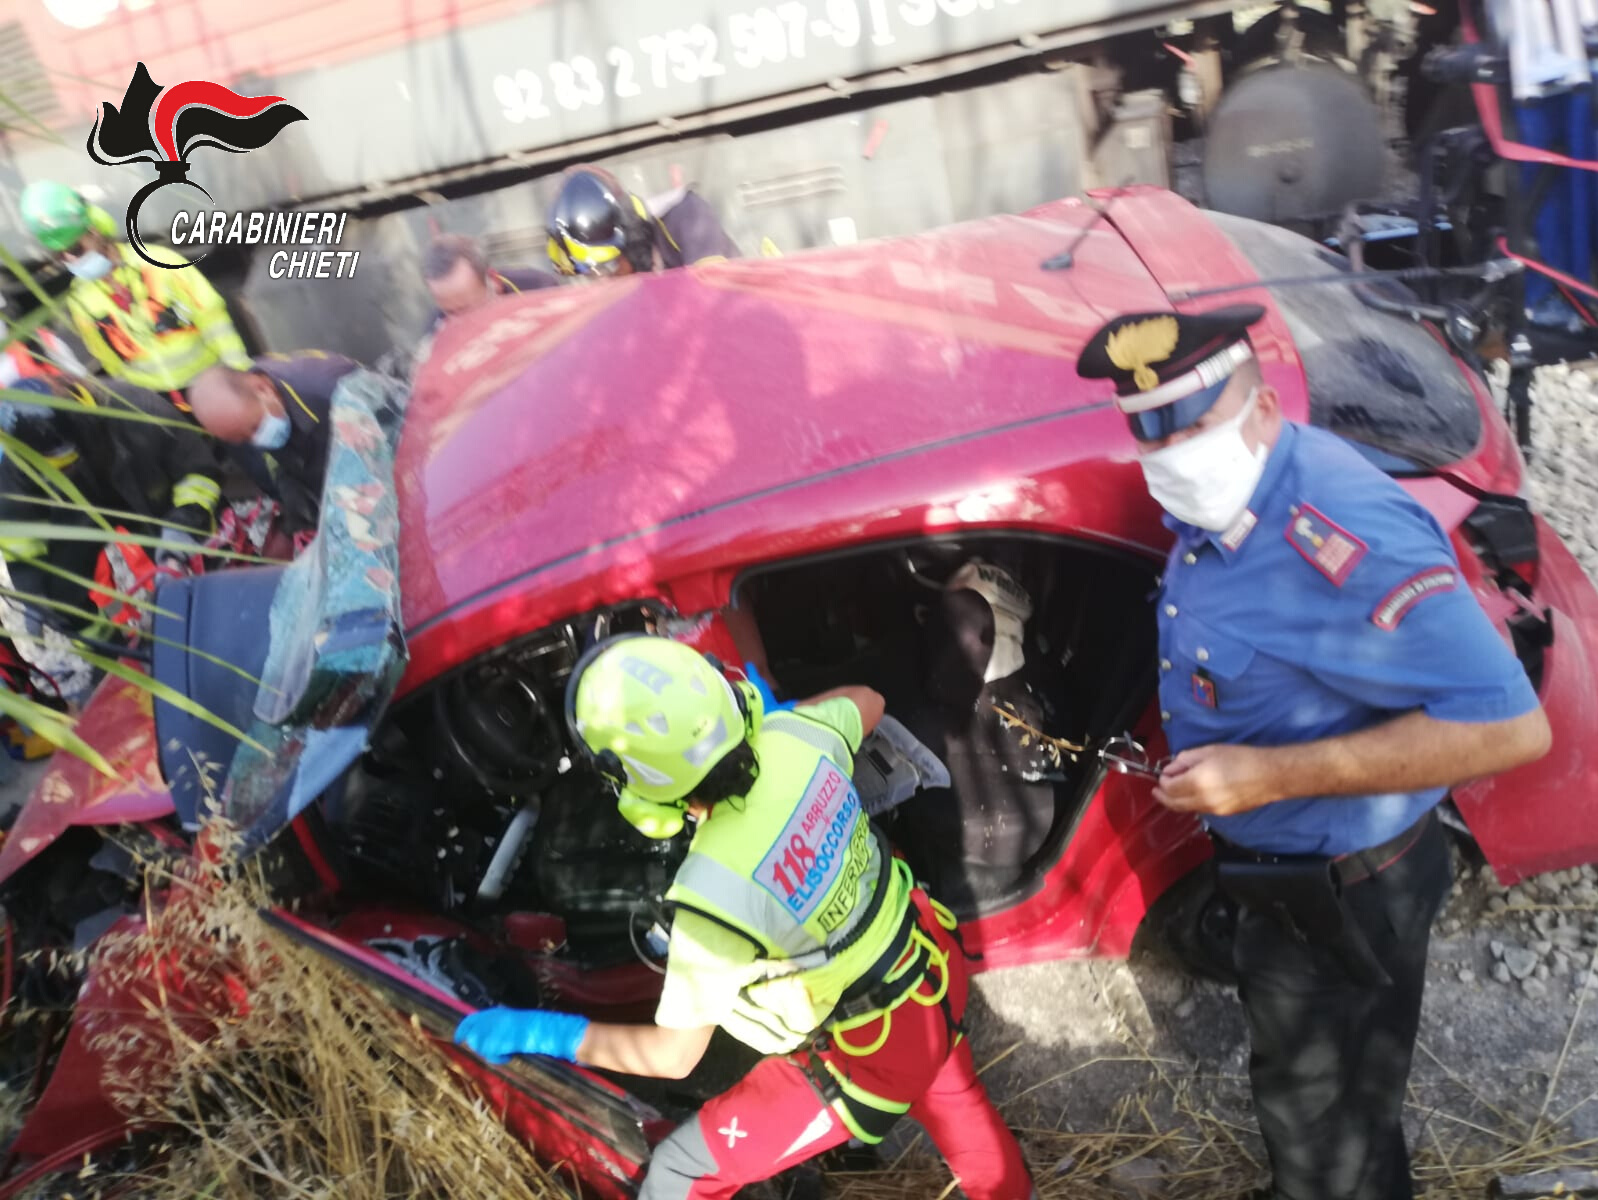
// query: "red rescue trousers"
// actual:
[[775, 1118]]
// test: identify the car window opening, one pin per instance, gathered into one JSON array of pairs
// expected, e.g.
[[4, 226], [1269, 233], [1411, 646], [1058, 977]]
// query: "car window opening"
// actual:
[[886, 617], [1379, 380], [472, 806]]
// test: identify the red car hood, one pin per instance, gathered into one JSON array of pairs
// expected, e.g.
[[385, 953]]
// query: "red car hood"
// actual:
[[550, 423], [119, 722]]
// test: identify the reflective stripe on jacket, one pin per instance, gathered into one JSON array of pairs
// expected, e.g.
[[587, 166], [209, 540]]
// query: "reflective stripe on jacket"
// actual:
[[175, 324], [794, 868]]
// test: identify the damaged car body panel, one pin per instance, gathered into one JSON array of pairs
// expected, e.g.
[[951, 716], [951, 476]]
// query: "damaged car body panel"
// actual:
[[117, 723]]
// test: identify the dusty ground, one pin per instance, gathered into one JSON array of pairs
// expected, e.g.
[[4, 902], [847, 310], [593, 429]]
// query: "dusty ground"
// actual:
[[1141, 1050]]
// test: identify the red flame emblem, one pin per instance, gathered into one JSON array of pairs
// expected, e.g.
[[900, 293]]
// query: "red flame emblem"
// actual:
[[164, 125]]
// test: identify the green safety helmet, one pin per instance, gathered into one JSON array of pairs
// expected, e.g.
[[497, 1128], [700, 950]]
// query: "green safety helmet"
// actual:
[[55, 214], [656, 716]]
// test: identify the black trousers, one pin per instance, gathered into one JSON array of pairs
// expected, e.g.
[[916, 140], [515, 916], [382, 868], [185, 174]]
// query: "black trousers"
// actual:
[[1331, 1057]]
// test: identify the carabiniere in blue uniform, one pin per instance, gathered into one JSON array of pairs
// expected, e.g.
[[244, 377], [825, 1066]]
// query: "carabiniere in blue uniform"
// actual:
[[1307, 597], [1334, 602]]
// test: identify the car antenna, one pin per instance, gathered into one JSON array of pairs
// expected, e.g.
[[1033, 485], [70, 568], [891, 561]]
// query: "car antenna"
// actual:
[[1066, 259]]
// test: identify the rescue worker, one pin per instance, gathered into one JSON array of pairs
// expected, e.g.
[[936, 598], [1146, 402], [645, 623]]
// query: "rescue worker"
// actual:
[[597, 227], [273, 417], [795, 930], [165, 476], [151, 328], [460, 279], [1325, 677]]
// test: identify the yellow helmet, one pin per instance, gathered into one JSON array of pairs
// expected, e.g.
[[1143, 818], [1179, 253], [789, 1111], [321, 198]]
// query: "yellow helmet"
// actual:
[[657, 716]]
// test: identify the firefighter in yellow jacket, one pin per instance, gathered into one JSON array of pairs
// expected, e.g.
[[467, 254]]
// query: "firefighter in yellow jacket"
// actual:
[[147, 326], [796, 930]]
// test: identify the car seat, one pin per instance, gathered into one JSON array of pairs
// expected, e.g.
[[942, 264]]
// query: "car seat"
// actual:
[[974, 840]]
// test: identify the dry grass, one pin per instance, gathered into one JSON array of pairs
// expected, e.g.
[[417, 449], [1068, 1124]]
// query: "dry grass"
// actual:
[[1166, 1140], [319, 1090], [1169, 1135]]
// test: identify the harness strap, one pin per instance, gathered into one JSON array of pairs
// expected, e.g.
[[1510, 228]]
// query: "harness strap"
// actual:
[[873, 907], [867, 1116], [902, 985]]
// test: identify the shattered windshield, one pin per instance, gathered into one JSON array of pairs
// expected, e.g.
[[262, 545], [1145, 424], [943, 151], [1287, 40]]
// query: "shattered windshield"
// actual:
[[337, 650], [1384, 383]]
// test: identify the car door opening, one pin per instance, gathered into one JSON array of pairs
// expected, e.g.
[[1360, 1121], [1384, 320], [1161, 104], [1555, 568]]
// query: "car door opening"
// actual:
[[1004, 654]]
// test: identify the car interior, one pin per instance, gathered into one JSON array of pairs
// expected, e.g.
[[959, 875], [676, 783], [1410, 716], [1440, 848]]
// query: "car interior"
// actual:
[[471, 805], [896, 618], [471, 802]]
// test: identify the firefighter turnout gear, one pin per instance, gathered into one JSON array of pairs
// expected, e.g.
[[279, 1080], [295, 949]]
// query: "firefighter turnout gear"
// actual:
[[153, 328], [794, 928], [597, 227], [164, 475], [688, 231]]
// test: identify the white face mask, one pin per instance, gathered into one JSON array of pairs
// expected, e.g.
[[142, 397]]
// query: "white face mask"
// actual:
[[272, 433], [92, 265], [1207, 480]]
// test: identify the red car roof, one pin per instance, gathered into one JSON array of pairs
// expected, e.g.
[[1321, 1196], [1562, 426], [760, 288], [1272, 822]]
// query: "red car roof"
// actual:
[[565, 424]]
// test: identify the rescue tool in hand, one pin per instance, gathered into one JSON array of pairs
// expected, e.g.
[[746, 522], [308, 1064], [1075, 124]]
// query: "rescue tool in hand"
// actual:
[[1128, 756]]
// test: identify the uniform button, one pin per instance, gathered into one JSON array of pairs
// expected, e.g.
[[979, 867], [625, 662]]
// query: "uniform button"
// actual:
[[1170, 610], [1190, 558], [1203, 654], [1165, 664], [1165, 715]]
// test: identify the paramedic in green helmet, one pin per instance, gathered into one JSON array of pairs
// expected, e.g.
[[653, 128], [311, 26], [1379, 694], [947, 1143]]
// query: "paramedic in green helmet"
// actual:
[[795, 930], [148, 326]]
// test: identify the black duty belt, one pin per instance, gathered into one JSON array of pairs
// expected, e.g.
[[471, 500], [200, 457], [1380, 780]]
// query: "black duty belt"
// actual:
[[1349, 869], [1306, 893]]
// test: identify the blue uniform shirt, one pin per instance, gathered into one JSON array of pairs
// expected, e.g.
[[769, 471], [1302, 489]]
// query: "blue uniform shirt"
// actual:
[[1335, 603]]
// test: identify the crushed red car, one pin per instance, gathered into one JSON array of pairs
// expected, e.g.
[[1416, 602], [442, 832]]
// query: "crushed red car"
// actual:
[[781, 462]]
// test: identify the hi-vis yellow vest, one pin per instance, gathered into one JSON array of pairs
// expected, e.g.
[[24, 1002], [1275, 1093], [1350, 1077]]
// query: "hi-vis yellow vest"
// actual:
[[197, 333], [794, 867]]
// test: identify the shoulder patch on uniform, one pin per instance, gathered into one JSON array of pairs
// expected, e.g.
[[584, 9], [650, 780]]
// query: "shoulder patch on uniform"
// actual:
[[1241, 528], [1397, 603], [1325, 545]]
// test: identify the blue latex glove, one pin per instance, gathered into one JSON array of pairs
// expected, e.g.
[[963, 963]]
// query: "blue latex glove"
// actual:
[[752, 673], [495, 1034]]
